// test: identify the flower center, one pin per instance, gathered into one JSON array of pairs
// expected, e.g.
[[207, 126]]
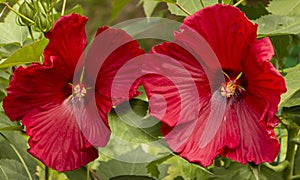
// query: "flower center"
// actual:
[[79, 91], [231, 86]]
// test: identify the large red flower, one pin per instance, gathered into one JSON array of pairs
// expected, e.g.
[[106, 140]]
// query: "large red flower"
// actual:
[[63, 102], [227, 107]]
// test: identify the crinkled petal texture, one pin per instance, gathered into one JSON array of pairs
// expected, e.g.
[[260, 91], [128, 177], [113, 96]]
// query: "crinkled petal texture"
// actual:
[[112, 64], [38, 95], [64, 128], [240, 127], [67, 42]]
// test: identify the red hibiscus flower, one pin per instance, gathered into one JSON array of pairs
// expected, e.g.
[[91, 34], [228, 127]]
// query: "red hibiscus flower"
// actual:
[[227, 107], [63, 102]]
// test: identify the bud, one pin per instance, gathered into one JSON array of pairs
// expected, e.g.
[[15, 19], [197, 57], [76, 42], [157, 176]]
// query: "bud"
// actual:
[[43, 22], [27, 10]]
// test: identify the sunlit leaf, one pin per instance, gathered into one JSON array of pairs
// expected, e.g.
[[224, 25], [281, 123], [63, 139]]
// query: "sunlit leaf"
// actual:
[[132, 178], [11, 32], [128, 164], [179, 167], [239, 171], [284, 7], [12, 169], [191, 6], [292, 83], [149, 6], [272, 25], [27, 54], [135, 127], [152, 167], [294, 100]]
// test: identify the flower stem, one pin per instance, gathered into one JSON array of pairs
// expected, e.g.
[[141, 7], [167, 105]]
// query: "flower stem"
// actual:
[[30, 32], [183, 9], [238, 3], [18, 154], [19, 14], [46, 173], [94, 174], [3, 10], [202, 4], [63, 7], [290, 155], [280, 167]]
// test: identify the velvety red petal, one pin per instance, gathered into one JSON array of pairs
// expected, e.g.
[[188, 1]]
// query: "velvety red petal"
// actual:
[[67, 41], [264, 82], [257, 144], [228, 32], [36, 87], [60, 137], [111, 50], [202, 140], [175, 83]]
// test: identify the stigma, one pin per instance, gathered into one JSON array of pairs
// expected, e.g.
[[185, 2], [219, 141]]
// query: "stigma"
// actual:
[[79, 91], [231, 86]]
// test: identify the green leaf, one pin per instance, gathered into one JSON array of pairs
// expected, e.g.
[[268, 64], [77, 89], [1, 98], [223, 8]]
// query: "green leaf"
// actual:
[[294, 100], [284, 8], [239, 171], [77, 174], [12, 169], [17, 140], [168, 1], [12, 128], [5, 122], [281, 46], [135, 127], [117, 6], [180, 167], [254, 12], [272, 25], [11, 32], [191, 6], [149, 6], [119, 167], [76, 9], [292, 83], [152, 167], [27, 54], [132, 178]]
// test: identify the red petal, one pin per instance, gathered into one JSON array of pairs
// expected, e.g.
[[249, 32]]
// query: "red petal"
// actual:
[[257, 144], [67, 41], [110, 51], [36, 87], [264, 82], [228, 32], [58, 135], [202, 140], [179, 87]]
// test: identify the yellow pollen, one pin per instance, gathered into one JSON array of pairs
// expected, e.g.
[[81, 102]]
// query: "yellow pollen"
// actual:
[[228, 88], [79, 91]]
